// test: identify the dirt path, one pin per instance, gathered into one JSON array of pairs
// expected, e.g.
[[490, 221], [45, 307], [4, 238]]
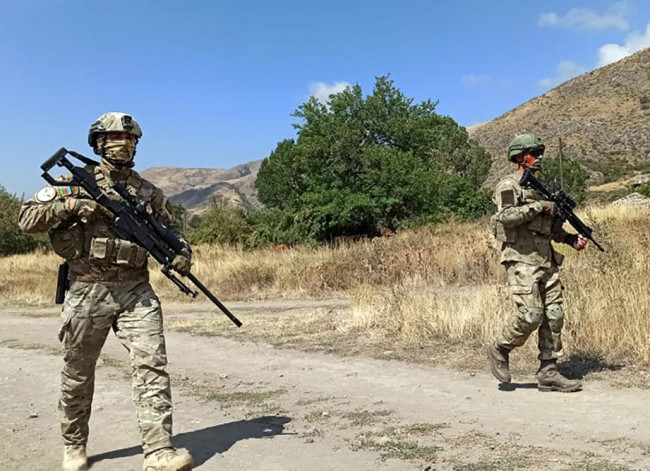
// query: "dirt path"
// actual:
[[248, 406]]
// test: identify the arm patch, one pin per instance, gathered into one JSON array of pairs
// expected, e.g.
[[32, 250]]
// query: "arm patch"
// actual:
[[507, 198]]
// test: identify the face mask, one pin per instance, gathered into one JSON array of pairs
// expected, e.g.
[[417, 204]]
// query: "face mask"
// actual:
[[119, 152]]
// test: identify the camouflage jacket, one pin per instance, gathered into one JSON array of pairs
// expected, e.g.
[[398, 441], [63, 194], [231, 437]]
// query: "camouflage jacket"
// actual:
[[92, 249], [522, 228]]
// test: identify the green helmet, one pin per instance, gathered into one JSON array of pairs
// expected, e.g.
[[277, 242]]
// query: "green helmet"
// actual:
[[113, 122], [522, 143]]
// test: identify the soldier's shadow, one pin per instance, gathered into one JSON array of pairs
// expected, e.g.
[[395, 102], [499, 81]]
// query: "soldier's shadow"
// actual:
[[508, 387], [575, 367], [578, 366], [205, 443]]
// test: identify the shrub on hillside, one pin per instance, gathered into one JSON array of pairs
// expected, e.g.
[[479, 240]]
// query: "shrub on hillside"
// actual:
[[223, 223], [572, 177]]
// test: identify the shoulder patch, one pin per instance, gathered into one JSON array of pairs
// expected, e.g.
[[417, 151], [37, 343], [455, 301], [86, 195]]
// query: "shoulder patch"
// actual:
[[507, 197], [64, 190], [46, 194]]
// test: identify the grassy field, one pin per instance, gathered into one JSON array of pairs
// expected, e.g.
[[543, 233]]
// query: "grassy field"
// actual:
[[440, 284]]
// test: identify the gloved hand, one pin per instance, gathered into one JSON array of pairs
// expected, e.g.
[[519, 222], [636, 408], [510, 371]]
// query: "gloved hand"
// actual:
[[550, 208], [577, 241], [182, 264]]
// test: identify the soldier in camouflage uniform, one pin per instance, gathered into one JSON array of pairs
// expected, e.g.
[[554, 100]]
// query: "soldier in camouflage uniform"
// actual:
[[525, 225], [109, 288]]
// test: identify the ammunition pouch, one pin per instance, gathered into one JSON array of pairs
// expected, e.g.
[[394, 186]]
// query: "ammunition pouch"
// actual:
[[68, 241], [541, 225], [502, 233], [117, 252]]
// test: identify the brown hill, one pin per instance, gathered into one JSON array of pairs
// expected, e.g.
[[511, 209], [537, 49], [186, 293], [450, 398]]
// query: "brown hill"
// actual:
[[602, 117], [196, 188]]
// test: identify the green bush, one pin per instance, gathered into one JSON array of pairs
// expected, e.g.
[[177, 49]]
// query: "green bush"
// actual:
[[12, 239], [223, 223]]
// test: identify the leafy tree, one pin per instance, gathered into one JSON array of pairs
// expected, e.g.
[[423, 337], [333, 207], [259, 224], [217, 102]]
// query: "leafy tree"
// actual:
[[180, 214], [12, 239], [362, 163], [223, 223], [275, 226], [574, 177]]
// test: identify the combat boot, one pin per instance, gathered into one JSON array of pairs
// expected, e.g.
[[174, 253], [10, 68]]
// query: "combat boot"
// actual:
[[499, 362], [168, 459], [550, 379], [74, 458]]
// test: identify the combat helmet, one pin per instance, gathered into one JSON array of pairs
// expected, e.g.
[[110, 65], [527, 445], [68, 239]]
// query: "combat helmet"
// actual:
[[114, 121], [522, 143]]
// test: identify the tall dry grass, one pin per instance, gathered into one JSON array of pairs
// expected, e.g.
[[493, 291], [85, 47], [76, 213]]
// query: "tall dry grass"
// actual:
[[443, 283]]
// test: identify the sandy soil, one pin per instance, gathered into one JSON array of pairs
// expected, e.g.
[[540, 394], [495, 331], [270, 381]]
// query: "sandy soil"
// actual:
[[244, 405]]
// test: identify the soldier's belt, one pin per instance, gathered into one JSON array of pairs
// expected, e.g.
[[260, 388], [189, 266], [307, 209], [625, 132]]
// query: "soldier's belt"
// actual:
[[117, 252]]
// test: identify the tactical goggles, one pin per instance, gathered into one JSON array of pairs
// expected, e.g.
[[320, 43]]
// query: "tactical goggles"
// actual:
[[534, 152]]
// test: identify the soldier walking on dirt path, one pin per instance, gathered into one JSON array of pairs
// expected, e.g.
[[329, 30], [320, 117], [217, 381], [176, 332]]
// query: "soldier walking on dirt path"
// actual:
[[109, 288], [524, 226]]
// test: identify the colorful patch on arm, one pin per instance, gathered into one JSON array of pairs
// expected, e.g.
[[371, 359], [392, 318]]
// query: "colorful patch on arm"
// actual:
[[65, 190]]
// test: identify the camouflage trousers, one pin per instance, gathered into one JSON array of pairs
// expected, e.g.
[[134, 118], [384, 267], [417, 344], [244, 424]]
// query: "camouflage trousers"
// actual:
[[133, 311], [537, 291]]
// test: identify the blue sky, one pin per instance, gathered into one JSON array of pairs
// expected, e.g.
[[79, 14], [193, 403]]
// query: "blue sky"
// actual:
[[213, 84]]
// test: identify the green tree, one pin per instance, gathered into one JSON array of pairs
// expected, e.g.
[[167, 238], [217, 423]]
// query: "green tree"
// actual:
[[360, 163], [223, 223], [12, 239], [180, 214], [573, 179]]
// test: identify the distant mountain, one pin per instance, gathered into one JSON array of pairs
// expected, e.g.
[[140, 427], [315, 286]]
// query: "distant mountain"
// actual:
[[196, 188], [603, 118]]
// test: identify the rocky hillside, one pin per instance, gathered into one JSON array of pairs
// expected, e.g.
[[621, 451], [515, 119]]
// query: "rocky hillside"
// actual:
[[196, 188], [602, 117]]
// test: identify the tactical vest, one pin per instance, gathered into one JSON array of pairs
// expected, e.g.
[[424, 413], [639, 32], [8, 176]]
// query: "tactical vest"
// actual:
[[530, 241], [93, 250]]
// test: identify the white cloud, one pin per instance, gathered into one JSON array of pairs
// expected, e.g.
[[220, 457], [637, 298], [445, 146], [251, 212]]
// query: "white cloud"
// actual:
[[322, 91], [565, 70], [610, 53], [588, 20], [475, 80]]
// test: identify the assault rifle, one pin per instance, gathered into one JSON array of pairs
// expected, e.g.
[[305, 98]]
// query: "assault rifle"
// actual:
[[133, 220], [564, 203]]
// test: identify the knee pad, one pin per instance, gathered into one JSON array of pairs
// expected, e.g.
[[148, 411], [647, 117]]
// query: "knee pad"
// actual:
[[530, 318], [555, 316]]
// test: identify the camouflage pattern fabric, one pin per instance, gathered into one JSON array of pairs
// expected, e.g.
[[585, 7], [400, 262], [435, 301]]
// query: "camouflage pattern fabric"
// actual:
[[522, 227], [101, 255], [537, 292], [133, 311], [525, 231], [109, 289]]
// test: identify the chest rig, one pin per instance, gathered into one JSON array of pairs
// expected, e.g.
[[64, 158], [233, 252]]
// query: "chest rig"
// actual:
[[101, 245]]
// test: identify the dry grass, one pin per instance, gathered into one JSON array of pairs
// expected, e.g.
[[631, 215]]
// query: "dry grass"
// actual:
[[440, 284]]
